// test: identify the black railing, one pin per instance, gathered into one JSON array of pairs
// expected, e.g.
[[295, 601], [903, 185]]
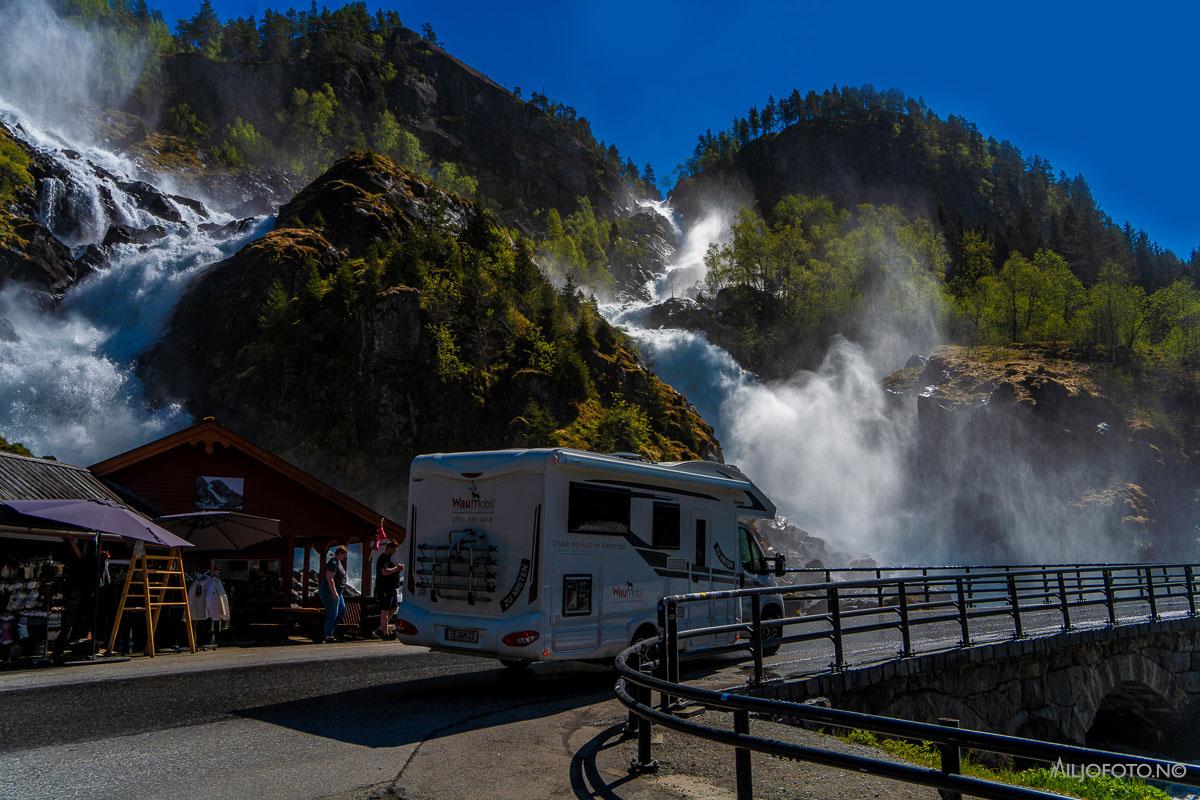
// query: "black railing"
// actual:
[[853, 607]]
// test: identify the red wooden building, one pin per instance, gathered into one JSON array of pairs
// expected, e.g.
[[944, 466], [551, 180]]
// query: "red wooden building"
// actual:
[[209, 466]]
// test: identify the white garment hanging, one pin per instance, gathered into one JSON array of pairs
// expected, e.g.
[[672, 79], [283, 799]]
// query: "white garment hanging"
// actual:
[[215, 600], [197, 599]]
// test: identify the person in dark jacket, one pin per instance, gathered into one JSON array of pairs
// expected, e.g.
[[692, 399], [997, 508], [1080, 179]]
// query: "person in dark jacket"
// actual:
[[332, 591], [387, 587], [79, 592]]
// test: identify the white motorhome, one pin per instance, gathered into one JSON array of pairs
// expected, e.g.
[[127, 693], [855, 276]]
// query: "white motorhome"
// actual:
[[559, 554]]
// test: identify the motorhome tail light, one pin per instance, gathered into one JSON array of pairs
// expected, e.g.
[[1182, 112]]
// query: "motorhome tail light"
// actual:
[[520, 638], [405, 628]]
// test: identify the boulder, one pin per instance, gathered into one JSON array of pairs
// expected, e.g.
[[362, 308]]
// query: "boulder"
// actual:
[[127, 234], [37, 259], [152, 200]]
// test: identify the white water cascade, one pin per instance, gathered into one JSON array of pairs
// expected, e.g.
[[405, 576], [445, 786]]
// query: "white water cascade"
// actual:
[[68, 385], [822, 444]]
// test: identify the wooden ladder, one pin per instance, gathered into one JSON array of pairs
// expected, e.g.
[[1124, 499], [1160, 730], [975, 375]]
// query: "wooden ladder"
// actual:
[[156, 582]]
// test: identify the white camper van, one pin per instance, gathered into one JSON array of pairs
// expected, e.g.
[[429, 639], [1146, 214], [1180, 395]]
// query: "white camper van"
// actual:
[[558, 554]]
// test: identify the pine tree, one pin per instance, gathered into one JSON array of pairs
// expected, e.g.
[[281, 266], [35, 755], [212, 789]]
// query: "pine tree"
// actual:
[[768, 115]]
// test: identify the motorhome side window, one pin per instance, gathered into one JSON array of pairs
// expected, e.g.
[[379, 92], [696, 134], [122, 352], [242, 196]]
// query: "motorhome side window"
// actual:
[[595, 509], [665, 533]]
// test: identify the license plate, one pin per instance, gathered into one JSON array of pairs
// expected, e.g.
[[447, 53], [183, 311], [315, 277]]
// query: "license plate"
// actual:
[[468, 635]]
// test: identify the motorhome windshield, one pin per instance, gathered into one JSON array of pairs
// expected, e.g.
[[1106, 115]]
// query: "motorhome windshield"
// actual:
[[752, 557]]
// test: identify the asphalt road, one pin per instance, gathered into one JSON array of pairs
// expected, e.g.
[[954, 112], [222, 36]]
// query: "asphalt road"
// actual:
[[278, 731]]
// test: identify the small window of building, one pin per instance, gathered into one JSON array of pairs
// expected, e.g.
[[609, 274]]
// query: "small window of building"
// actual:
[[577, 595], [665, 532], [597, 509]]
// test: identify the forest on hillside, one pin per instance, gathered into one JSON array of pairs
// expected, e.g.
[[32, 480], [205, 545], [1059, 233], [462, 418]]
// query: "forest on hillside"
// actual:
[[999, 245], [345, 60]]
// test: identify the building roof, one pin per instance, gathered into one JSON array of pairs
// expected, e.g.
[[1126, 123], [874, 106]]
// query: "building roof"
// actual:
[[209, 432], [26, 478]]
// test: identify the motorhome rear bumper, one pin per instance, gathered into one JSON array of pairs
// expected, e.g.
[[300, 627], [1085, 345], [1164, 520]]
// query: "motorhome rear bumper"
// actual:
[[451, 632]]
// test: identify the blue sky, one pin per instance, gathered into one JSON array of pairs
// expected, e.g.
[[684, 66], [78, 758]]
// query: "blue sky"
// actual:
[[1102, 89]]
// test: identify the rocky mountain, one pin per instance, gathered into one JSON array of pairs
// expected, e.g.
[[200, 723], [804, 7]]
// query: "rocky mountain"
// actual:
[[384, 317], [1019, 443], [527, 155]]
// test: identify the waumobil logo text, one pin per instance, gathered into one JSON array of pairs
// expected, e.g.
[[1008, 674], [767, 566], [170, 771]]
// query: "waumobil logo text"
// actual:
[[475, 503]]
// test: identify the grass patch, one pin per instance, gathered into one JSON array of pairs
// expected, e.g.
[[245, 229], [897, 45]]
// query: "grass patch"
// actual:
[[1100, 787], [14, 178]]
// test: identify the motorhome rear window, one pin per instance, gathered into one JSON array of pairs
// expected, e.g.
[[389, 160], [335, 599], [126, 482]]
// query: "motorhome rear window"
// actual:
[[666, 526], [594, 509]]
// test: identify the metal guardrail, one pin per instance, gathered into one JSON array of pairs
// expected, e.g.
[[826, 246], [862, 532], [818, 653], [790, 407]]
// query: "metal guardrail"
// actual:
[[956, 597]]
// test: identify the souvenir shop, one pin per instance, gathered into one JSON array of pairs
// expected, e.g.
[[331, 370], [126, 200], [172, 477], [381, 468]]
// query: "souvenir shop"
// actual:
[[261, 525], [48, 570]]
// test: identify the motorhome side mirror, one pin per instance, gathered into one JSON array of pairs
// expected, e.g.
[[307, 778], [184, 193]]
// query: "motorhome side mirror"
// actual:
[[780, 565]]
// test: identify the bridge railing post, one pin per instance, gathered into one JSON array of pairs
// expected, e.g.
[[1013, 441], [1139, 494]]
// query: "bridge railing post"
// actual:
[[1063, 604], [745, 777], [673, 639], [925, 581], [951, 760], [1150, 597], [963, 625], [756, 636], [970, 587], [905, 633], [1189, 579], [664, 652], [879, 587], [634, 721], [1014, 600], [644, 762], [835, 622], [1110, 602]]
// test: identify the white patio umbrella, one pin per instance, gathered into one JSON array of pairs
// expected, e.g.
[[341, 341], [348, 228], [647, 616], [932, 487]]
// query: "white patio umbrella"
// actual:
[[221, 530]]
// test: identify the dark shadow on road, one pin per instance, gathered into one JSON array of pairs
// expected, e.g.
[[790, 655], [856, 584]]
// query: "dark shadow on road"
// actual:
[[399, 713], [587, 782]]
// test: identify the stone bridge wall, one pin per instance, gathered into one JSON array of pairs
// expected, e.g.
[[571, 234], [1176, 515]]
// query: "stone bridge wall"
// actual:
[[1049, 687]]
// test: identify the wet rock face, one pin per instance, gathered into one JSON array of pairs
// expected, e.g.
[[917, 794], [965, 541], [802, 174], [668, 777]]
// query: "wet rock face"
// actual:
[[1022, 447], [42, 261], [653, 244], [127, 234]]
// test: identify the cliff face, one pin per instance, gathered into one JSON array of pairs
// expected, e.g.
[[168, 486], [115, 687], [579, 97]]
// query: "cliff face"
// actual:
[[1015, 444], [384, 318]]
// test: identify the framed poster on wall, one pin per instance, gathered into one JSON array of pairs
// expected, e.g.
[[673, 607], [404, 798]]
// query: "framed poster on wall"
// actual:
[[219, 494]]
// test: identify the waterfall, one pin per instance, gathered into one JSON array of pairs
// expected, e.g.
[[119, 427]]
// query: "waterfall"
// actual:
[[825, 445], [68, 385]]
